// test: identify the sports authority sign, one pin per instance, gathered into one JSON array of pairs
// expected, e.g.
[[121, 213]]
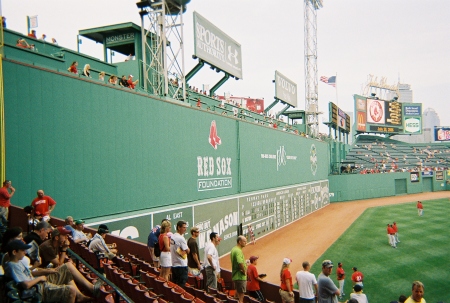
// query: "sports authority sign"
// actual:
[[215, 47], [285, 89]]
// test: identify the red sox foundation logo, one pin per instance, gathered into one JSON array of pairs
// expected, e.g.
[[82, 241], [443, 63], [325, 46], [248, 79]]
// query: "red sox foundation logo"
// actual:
[[214, 140]]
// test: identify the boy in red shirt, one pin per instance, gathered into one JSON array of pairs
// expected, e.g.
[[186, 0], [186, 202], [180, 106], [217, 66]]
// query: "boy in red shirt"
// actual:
[[253, 279]]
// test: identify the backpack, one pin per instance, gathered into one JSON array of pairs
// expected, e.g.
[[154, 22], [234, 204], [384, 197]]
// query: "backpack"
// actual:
[[157, 250]]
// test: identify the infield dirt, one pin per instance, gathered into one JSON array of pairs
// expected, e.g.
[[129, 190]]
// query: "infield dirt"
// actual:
[[308, 238]]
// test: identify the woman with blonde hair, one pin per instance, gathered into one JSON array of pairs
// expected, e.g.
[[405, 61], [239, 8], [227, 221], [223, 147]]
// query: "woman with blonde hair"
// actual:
[[286, 289], [87, 71], [165, 259], [101, 76]]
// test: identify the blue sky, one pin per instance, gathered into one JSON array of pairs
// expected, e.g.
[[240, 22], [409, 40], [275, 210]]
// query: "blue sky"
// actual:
[[406, 39]]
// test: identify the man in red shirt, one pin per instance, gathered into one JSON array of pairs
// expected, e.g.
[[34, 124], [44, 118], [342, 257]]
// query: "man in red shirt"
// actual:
[[396, 232], [43, 204], [420, 208], [253, 279], [391, 236], [132, 84], [357, 277], [5, 196], [341, 278]]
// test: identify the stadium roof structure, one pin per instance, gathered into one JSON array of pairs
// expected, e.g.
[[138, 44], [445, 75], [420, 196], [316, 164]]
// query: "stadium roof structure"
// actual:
[[120, 37]]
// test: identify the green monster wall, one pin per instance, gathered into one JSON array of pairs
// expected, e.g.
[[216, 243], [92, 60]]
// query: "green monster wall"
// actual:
[[99, 150]]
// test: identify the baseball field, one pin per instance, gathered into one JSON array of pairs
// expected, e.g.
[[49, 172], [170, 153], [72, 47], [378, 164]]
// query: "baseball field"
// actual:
[[354, 233]]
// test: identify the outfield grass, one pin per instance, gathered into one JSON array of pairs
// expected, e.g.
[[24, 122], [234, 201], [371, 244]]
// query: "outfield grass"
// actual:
[[423, 252]]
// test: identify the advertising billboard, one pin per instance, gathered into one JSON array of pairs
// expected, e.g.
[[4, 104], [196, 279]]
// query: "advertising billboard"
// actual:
[[285, 89], [441, 133], [378, 116], [338, 117], [215, 47]]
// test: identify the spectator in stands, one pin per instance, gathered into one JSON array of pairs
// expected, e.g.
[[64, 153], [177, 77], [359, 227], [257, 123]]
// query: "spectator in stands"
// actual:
[[358, 294], [39, 233], [54, 250], [131, 83], [78, 235], [307, 284], [129, 57], [43, 204], [239, 268], [286, 287], [101, 76], [57, 284], [22, 43], [112, 80], [417, 293], [327, 290], [123, 81], [11, 234], [152, 240], [69, 224], [54, 41], [401, 299], [33, 48], [194, 265], [253, 279], [179, 251], [6, 193], [73, 67], [99, 246], [32, 34], [164, 245], [211, 261], [4, 21], [87, 71], [43, 37]]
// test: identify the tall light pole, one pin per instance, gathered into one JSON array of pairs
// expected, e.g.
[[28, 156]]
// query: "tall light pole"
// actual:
[[311, 78]]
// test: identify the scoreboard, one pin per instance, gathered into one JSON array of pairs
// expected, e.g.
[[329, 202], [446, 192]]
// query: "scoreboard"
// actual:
[[338, 118], [388, 117]]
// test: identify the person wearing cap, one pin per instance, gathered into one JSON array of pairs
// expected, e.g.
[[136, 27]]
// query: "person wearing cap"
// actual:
[[98, 244], [253, 279], [211, 261], [54, 250], [43, 204], [194, 265], [152, 240], [70, 226], [6, 193], [327, 290], [286, 286], [394, 226], [357, 277], [179, 251], [57, 285], [131, 83], [307, 284], [39, 233], [358, 294], [391, 235], [78, 235], [418, 290], [420, 208], [239, 268], [340, 275]]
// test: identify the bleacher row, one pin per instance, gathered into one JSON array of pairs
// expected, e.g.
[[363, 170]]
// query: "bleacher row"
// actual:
[[387, 155], [140, 281]]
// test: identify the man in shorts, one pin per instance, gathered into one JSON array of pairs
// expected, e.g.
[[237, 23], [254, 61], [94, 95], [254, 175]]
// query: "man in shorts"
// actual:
[[239, 268], [53, 285]]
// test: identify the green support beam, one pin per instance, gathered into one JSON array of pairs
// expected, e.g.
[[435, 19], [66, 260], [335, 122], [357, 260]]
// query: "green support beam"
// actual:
[[193, 71], [218, 84], [271, 105], [283, 110]]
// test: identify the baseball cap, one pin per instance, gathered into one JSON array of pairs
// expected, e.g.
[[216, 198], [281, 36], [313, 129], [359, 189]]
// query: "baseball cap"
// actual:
[[354, 268], [253, 258], [287, 261], [339, 264], [327, 264], [102, 231], [103, 226], [77, 222], [60, 231], [131, 76], [357, 287], [17, 245], [194, 229]]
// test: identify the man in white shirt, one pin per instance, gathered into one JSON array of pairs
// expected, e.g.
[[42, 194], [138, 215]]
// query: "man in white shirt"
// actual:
[[78, 235], [306, 282], [179, 251], [211, 261]]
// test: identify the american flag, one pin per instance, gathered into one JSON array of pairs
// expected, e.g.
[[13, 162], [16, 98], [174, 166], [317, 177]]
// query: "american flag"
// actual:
[[330, 81]]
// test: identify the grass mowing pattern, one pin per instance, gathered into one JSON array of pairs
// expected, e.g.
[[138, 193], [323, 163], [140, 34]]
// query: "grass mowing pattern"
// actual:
[[423, 252]]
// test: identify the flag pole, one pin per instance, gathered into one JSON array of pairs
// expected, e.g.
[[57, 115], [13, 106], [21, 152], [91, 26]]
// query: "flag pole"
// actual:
[[337, 101]]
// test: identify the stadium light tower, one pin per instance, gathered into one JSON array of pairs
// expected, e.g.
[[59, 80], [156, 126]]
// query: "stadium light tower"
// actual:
[[163, 47], [311, 79]]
